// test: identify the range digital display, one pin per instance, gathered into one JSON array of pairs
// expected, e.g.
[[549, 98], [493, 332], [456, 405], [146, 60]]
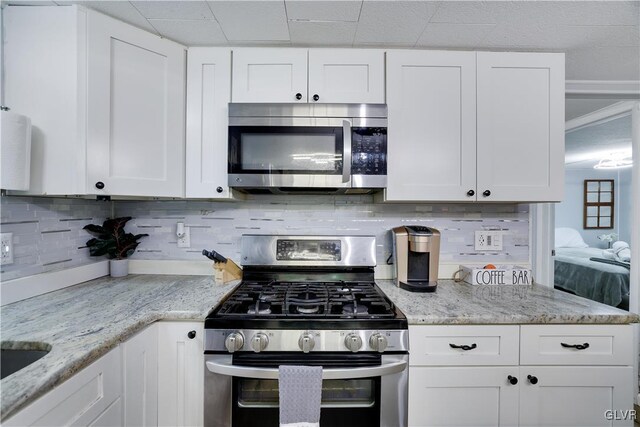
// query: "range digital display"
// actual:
[[309, 250]]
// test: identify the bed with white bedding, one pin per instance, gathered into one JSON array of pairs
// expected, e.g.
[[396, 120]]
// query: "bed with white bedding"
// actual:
[[576, 272]]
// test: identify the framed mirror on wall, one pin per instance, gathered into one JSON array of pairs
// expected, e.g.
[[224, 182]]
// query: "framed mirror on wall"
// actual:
[[599, 199]]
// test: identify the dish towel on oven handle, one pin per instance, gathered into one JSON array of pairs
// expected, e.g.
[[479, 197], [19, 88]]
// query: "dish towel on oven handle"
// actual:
[[300, 389]]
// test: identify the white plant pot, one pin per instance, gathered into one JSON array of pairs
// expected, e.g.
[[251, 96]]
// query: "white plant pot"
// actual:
[[119, 267]]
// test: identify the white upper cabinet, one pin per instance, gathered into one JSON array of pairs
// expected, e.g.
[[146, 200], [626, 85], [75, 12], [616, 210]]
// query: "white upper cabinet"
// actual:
[[269, 75], [315, 75], [135, 144], [208, 96], [431, 98], [346, 76], [106, 101], [520, 126]]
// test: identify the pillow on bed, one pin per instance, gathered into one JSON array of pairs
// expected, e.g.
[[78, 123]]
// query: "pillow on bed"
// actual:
[[569, 238]]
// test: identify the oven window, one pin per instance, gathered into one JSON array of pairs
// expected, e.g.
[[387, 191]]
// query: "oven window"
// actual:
[[281, 149], [356, 393]]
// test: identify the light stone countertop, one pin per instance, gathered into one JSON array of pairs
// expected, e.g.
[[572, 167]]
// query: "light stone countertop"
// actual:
[[463, 304], [84, 322]]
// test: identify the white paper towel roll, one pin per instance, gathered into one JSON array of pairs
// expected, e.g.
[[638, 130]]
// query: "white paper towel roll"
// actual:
[[15, 151]]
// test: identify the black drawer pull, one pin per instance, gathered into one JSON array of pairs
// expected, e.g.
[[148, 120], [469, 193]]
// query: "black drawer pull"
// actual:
[[533, 380], [464, 347], [512, 380], [576, 346]]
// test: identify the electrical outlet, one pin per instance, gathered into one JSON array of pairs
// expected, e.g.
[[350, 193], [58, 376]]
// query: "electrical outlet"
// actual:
[[185, 240], [488, 240], [6, 248]]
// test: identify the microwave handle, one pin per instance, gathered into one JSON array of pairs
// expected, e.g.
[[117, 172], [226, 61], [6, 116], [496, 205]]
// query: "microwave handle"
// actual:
[[346, 163], [227, 368]]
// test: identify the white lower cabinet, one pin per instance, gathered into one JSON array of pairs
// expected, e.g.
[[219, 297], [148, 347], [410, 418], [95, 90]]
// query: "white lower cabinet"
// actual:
[[140, 378], [587, 386], [180, 373], [463, 396], [575, 395], [91, 397]]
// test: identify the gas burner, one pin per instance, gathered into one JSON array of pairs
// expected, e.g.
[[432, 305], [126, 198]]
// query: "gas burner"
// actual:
[[260, 307], [354, 308], [308, 310]]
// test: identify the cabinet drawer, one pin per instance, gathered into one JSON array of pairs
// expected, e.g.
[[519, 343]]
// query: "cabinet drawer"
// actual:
[[576, 345], [443, 345], [80, 399]]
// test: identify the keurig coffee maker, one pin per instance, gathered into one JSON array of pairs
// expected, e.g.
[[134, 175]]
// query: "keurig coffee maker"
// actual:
[[417, 253]]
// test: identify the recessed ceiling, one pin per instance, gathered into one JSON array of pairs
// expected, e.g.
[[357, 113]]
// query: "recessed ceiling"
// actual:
[[601, 38], [584, 147]]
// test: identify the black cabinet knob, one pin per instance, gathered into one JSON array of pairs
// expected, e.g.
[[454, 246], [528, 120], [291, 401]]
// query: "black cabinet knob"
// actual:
[[471, 193], [99, 185], [512, 380], [298, 96], [219, 189], [191, 334], [486, 193], [316, 97], [532, 379]]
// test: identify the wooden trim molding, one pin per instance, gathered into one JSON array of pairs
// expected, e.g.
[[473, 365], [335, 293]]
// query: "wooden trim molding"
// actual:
[[602, 88]]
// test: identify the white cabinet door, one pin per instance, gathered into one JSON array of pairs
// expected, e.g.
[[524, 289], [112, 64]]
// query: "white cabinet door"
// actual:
[[81, 400], [45, 79], [432, 126], [269, 75], [136, 87], [208, 97], [140, 378], [520, 126], [180, 374], [455, 396], [346, 75], [575, 396]]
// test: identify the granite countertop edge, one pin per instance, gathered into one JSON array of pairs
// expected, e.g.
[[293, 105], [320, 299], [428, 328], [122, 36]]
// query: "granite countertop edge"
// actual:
[[190, 298]]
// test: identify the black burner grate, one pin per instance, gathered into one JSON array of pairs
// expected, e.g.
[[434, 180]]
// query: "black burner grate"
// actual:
[[362, 300]]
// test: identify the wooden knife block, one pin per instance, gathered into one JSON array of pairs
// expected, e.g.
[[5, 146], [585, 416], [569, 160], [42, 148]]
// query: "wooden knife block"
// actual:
[[226, 272]]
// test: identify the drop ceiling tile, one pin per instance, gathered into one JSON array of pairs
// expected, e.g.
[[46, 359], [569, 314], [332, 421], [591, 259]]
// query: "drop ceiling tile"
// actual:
[[522, 35], [311, 10], [322, 33], [597, 12], [454, 35], [603, 63], [122, 10], [392, 22], [252, 20], [174, 9], [29, 3], [605, 35], [191, 32], [466, 12]]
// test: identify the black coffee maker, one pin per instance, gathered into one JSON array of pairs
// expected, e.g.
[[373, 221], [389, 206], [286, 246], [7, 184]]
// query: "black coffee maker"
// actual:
[[417, 254]]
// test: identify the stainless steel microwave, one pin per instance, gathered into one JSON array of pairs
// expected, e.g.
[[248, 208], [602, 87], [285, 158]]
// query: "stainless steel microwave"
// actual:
[[333, 148]]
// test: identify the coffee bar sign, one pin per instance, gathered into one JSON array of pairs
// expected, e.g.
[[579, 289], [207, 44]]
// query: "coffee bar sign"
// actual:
[[502, 275]]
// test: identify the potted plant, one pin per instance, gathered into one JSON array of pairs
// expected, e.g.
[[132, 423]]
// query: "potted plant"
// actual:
[[111, 240]]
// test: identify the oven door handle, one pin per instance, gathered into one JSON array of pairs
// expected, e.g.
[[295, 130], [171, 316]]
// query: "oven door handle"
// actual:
[[227, 368]]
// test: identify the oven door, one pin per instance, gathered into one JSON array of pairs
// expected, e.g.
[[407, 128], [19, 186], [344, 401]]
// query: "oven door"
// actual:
[[357, 389], [287, 155]]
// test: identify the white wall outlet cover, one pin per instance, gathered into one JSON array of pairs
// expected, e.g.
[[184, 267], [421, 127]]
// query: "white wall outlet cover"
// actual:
[[6, 248], [184, 241], [488, 240]]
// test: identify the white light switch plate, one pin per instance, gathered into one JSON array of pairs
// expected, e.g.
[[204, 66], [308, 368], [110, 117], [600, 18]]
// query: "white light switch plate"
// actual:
[[488, 240], [6, 248]]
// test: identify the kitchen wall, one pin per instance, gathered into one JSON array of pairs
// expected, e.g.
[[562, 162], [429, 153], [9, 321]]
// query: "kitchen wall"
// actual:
[[47, 233], [220, 225], [569, 213]]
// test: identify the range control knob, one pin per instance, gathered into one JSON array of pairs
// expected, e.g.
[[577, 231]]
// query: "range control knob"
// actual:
[[259, 342], [234, 342], [378, 342], [353, 342], [306, 342]]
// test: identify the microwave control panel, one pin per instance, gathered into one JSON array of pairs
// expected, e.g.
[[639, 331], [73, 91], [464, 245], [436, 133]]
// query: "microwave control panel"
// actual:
[[369, 151]]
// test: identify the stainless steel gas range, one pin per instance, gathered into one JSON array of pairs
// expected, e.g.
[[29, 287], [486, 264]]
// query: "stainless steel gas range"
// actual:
[[307, 300]]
